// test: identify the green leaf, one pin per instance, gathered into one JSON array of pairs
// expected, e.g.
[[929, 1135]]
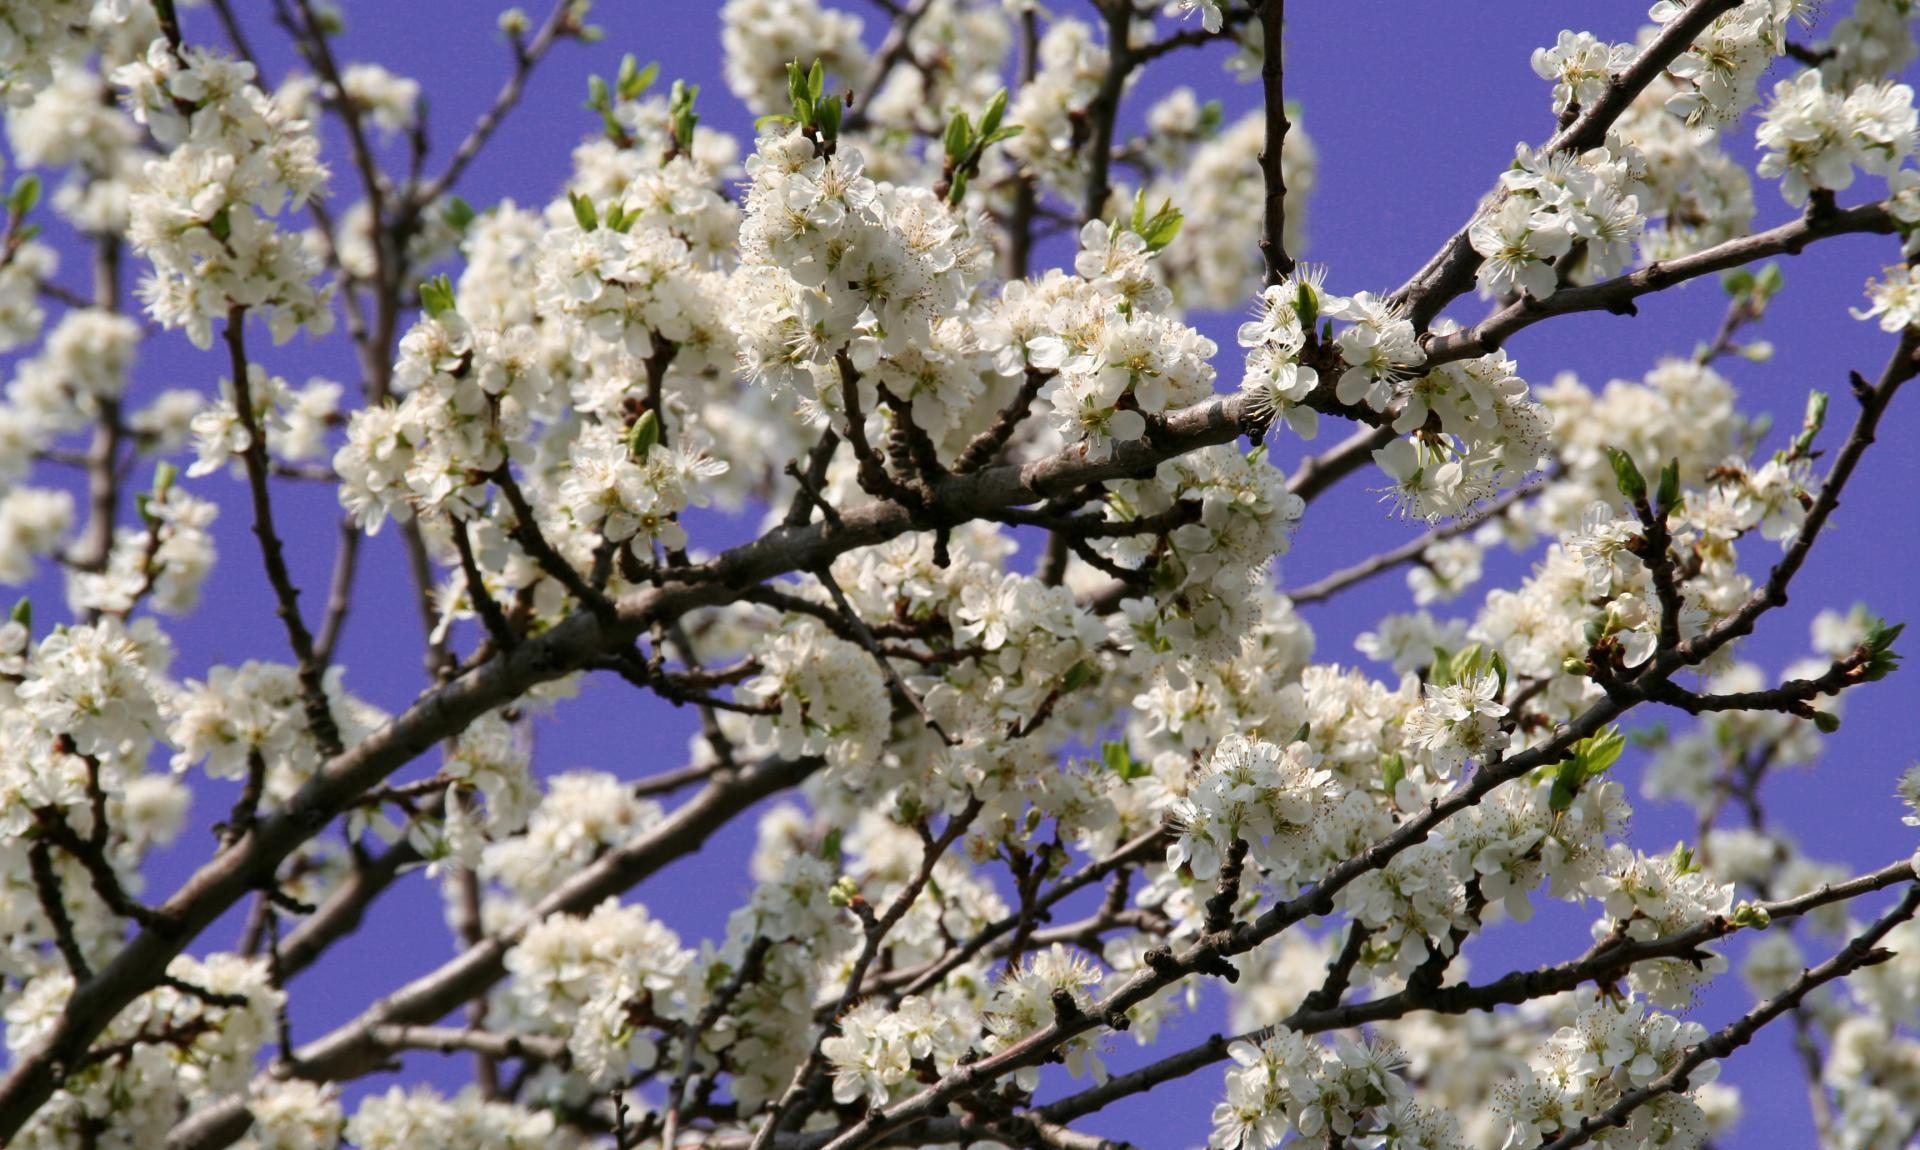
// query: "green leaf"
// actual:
[[645, 434], [634, 81], [436, 295], [221, 225], [1682, 858], [1737, 283], [1115, 756], [684, 119], [1625, 473], [1306, 305], [1162, 229], [1079, 675], [1826, 721], [1882, 660], [458, 213], [1810, 424], [1669, 494], [959, 137], [1159, 228], [1586, 760], [22, 613], [583, 211], [597, 97], [1303, 734], [1500, 669], [817, 80], [25, 195], [996, 111], [826, 114], [1596, 753], [1769, 282], [798, 94], [1564, 790], [1393, 769]]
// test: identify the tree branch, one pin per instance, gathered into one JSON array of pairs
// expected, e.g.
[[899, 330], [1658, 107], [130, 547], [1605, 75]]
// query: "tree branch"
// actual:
[[326, 733], [1273, 240], [352, 1050], [1618, 295], [1451, 270], [1861, 952]]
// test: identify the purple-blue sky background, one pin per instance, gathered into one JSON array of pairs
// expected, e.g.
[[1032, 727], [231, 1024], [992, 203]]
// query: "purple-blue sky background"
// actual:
[[1414, 109]]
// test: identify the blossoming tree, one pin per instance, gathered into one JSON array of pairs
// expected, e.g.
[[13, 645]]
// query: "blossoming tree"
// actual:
[[1029, 809]]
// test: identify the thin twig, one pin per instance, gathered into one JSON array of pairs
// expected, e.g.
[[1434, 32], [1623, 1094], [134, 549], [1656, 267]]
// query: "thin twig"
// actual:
[[1273, 238], [320, 721], [864, 636]]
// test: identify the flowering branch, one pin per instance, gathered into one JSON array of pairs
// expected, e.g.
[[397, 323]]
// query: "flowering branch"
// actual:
[[1606, 963], [1858, 954], [1451, 269], [1618, 295]]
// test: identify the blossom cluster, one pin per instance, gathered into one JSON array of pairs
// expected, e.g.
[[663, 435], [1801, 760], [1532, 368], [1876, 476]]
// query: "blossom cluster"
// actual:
[[203, 214], [1290, 1085]]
